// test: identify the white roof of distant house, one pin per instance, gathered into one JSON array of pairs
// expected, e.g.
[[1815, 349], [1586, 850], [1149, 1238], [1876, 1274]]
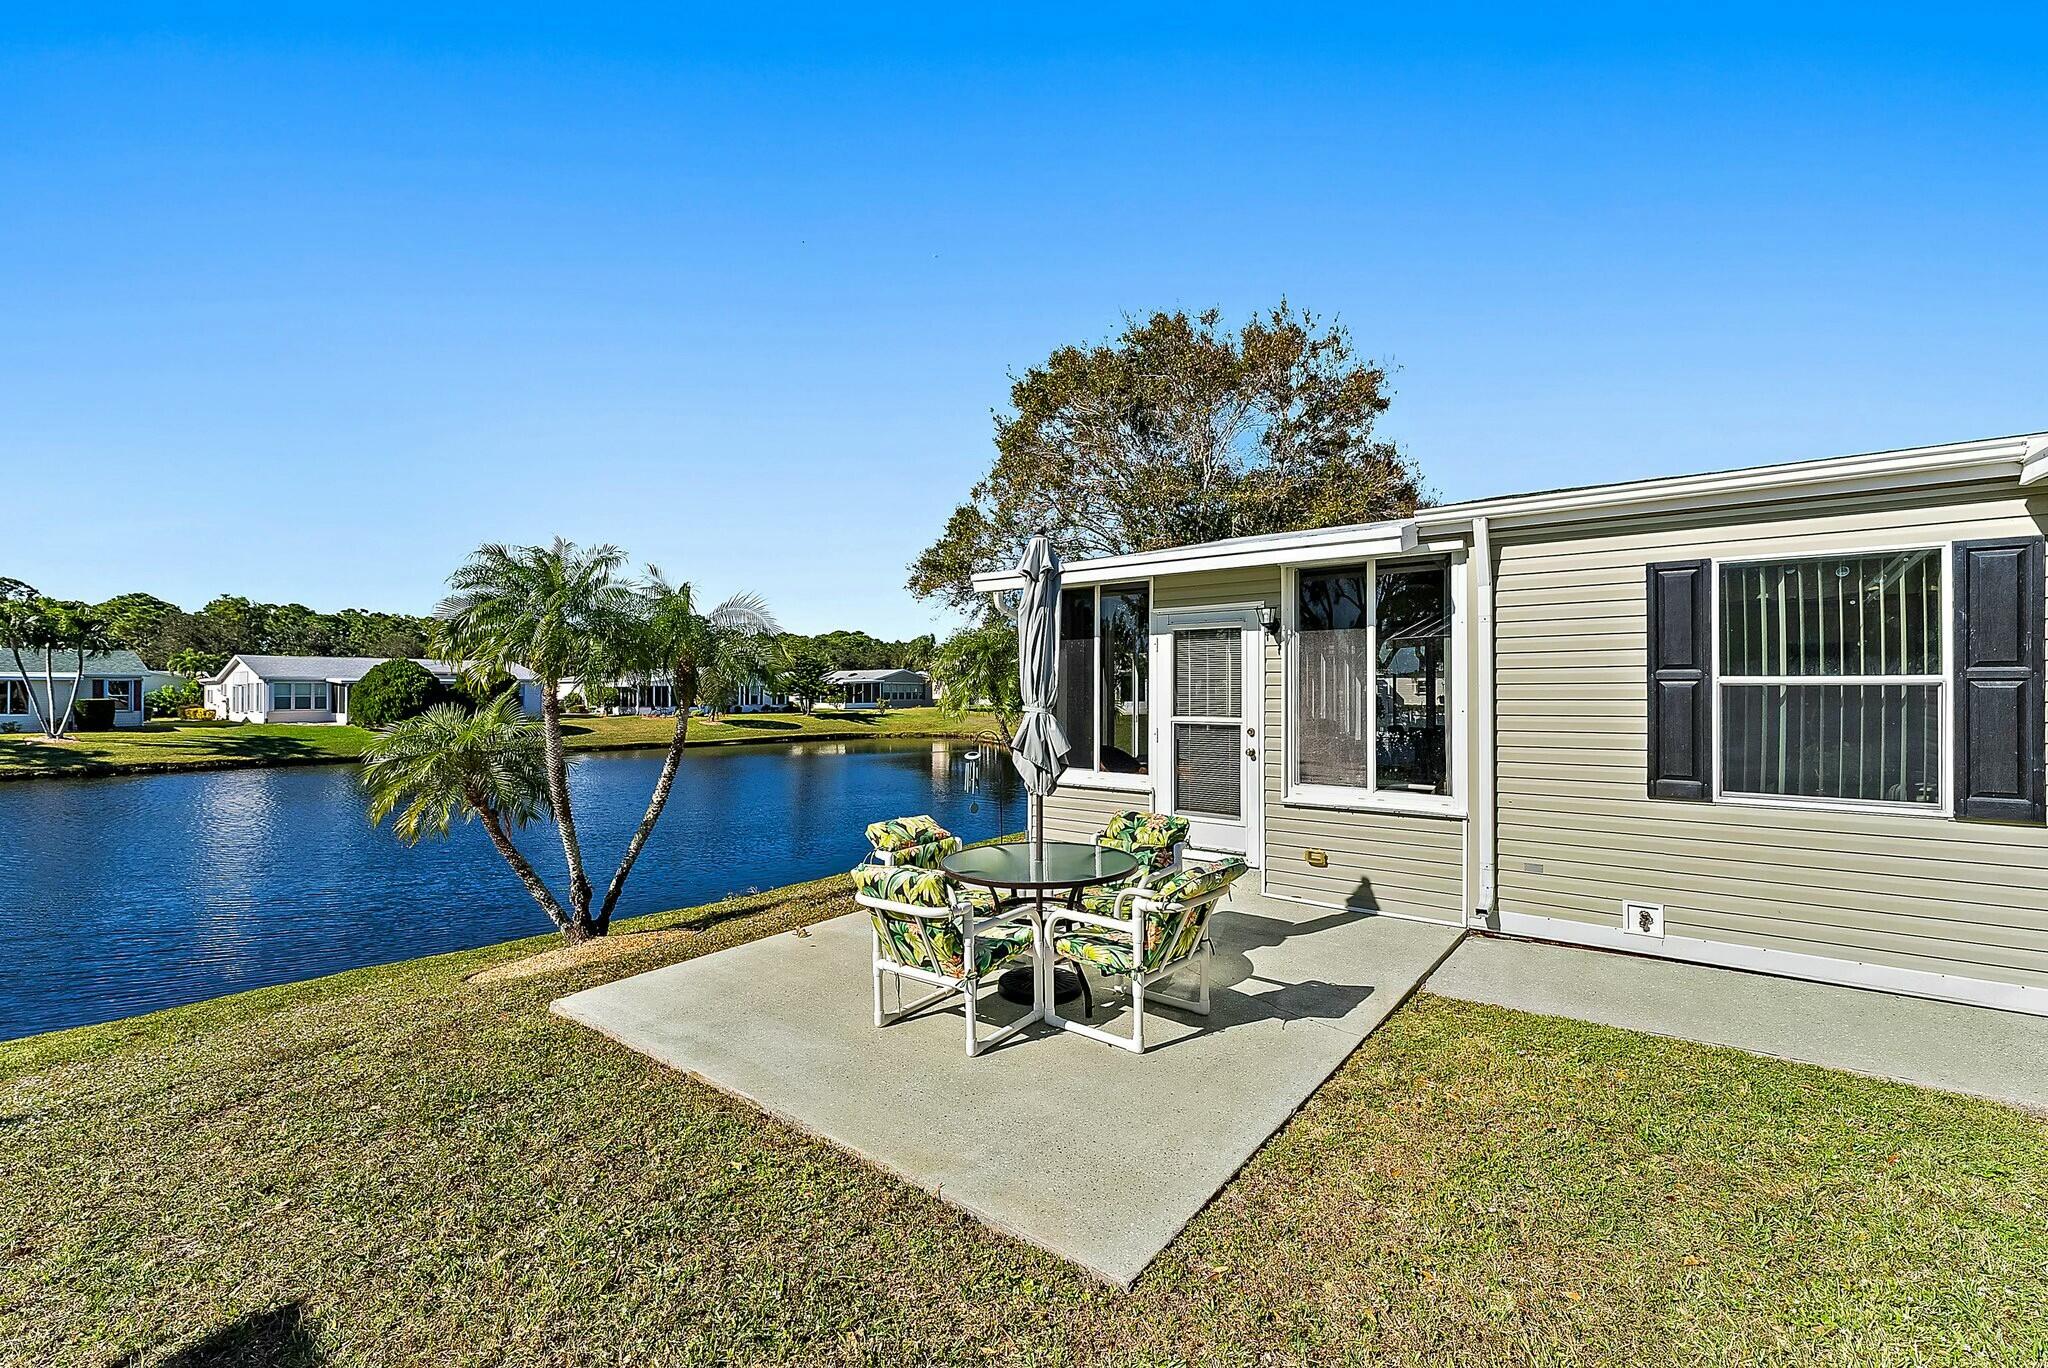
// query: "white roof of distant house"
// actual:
[[108, 663], [341, 669], [870, 676]]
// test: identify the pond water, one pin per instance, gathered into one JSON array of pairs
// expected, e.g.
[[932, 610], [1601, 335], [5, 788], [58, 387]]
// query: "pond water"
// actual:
[[125, 895]]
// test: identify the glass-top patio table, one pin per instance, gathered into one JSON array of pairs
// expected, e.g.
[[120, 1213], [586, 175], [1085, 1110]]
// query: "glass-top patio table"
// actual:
[[1063, 868]]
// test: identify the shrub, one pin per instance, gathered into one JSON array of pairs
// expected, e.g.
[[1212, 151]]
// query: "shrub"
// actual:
[[392, 692], [173, 699], [93, 714]]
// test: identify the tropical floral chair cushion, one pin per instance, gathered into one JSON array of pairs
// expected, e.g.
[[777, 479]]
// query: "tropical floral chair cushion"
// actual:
[[936, 942], [1151, 836], [1173, 927], [898, 832]]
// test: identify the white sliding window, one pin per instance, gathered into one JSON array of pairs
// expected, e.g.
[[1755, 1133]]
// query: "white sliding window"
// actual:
[[299, 696], [1832, 679]]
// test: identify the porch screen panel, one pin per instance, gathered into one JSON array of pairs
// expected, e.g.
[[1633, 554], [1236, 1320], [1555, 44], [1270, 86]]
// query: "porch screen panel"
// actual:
[[1333, 680], [1126, 722], [1413, 613], [1831, 678], [1075, 706], [1207, 773]]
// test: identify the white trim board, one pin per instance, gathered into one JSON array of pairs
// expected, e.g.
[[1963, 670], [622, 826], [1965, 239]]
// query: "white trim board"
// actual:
[[1886, 978]]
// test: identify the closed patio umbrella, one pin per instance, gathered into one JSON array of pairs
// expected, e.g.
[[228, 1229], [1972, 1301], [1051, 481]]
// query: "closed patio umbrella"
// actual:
[[1041, 748]]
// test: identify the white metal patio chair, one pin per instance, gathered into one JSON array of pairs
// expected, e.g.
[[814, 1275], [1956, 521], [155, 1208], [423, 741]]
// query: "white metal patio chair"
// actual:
[[1145, 934], [931, 930]]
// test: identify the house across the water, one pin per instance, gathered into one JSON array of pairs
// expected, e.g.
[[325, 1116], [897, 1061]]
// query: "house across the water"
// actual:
[[864, 690], [119, 675], [656, 693], [277, 688], [1786, 719]]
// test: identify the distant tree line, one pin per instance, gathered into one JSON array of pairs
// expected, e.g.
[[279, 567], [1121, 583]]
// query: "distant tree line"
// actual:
[[199, 643], [169, 638]]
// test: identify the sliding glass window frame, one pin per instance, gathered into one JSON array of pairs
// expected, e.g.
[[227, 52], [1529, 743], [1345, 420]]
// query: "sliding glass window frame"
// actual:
[[1370, 797], [1939, 681], [1085, 769]]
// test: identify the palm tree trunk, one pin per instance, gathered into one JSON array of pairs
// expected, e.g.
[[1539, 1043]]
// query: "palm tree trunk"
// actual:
[[686, 699], [71, 699], [35, 709], [516, 858], [50, 694], [557, 767]]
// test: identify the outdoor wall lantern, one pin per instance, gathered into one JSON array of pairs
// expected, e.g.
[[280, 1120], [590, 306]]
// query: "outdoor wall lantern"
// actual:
[[1269, 618]]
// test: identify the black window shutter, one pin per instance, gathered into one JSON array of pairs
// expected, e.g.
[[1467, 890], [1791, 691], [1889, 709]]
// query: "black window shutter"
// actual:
[[1997, 672], [1681, 650]]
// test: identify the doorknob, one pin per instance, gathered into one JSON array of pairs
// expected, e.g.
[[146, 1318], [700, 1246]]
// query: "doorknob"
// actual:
[[1250, 753]]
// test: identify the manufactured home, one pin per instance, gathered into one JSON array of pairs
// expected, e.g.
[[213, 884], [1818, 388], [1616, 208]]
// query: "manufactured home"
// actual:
[[655, 693], [274, 688], [119, 675], [864, 690], [1786, 719]]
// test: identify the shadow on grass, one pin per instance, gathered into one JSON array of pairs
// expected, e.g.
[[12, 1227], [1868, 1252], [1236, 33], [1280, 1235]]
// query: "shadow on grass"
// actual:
[[281, 1337], [760, 723], [80, 754]]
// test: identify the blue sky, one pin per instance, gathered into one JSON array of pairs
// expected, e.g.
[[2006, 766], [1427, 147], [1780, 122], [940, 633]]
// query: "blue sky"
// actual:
[[303, 306]]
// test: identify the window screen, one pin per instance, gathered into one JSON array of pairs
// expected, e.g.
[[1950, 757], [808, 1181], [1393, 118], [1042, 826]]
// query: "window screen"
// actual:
[[1831, 677]]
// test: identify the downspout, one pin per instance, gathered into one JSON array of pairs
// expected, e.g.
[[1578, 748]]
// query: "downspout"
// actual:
[[1483, 815]]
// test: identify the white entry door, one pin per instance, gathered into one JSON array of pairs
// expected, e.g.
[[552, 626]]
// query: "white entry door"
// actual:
[[1209, 673]]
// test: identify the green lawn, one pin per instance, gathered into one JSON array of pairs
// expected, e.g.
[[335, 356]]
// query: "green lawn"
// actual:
[[397, 1166], [220, 745]]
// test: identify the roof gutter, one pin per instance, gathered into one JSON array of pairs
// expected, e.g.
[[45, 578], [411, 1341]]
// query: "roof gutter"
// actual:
[[1317, 546]]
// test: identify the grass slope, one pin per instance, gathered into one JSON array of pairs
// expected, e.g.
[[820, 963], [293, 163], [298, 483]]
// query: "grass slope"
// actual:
[[397, 1165], [221, 745]]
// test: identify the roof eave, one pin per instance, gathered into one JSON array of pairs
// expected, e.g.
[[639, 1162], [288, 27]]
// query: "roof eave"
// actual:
[[1318, 546]]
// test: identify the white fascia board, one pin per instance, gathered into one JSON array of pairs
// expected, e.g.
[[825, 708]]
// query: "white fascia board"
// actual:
[[2000, 458], [1319, 546], [2034, 462]]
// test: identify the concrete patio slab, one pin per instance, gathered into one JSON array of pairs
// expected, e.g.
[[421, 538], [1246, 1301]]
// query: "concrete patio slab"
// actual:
[[1977, 1050], [785, 1023]]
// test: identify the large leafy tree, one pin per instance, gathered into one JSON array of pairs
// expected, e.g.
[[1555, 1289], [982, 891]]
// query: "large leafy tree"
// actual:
[[136, 620], [1178, 430]]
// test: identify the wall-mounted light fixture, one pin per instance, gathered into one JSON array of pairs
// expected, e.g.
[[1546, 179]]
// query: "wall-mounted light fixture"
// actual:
[[1269, 618]]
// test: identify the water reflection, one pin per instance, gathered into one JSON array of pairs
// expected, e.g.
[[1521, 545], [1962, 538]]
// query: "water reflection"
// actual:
[[123, 895]]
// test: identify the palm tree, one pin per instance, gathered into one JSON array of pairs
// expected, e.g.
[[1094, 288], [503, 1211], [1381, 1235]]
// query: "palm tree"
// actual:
[[489, 765], [977, 667], [553, 610], [705, 655], [32, 622], [22, 628], [86, 631]]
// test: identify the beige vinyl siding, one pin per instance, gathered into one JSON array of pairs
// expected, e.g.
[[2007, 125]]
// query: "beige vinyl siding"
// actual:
[[1078, 814], [1578, 835]]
